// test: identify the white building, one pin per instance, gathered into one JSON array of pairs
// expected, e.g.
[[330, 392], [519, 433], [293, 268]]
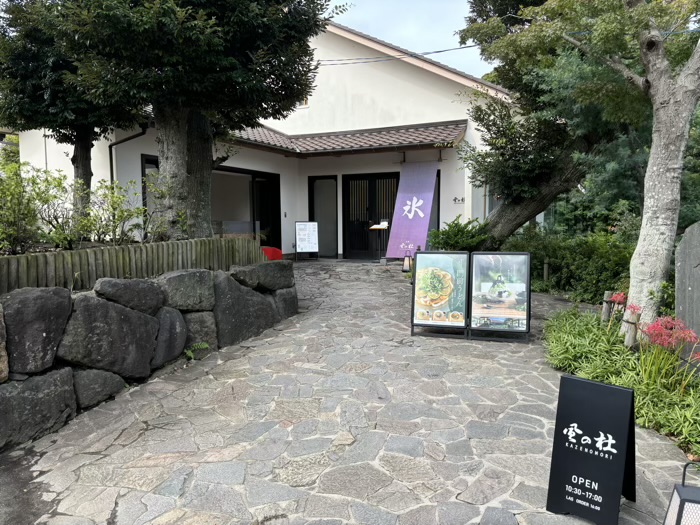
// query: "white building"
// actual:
[[336, 160]]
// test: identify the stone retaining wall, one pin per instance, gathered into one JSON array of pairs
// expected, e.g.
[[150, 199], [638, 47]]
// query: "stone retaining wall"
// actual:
[[60, 353]]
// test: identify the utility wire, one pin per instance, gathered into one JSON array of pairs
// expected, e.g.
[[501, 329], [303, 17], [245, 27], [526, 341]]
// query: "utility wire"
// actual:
[[372, 60]]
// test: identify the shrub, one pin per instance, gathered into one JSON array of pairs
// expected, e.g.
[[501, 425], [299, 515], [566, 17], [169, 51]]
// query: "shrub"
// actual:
[[667, 393], [60, 226], [585, 265], [19, 219], [457, 236], [37, 205], [113, 215]]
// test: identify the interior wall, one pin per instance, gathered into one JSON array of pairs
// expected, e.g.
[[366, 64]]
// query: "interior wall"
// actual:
[[230, 197], [326, 214]]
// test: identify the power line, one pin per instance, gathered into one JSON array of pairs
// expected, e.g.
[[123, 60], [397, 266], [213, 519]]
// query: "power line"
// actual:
[[372, 60]]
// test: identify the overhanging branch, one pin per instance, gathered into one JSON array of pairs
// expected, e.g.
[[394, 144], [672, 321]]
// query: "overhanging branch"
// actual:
[[692, 67], [218, 161], [612, 62]]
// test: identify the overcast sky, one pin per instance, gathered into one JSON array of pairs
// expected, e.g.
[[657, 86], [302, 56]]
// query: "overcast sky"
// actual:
[[417, 25]]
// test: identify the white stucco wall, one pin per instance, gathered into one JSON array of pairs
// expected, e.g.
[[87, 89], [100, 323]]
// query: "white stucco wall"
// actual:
[[374, 95], [41, 151]]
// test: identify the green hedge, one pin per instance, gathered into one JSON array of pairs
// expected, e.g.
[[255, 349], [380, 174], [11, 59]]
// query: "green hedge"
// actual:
[[585, 266]]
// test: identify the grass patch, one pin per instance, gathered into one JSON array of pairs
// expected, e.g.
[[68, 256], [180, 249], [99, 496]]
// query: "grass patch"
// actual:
[[667, 393]]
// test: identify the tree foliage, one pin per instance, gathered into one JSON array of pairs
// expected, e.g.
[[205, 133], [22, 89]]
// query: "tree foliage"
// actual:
[[690, 185], [34, 81], [240, 60], [36, 91], [651, 56]]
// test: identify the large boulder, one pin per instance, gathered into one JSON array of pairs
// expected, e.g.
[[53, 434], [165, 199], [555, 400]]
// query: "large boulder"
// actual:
[[201, 328], [275, 275], [286, 302], [94, 386], [137, 294], [172, 337], [108, 336], [33, 408], [4, 366], [34, 319], [246, 275], [188, 290], [240, 312]]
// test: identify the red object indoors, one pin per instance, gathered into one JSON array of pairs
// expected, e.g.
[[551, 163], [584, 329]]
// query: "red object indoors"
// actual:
[[272, 254]]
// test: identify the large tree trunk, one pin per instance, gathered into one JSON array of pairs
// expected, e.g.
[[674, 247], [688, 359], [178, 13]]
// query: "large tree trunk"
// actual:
[[505, 220], [673, 99], [172, 156], [82, 170], [200, 146], [650, 263]]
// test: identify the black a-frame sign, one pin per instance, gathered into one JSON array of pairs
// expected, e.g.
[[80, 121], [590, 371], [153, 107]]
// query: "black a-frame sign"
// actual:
[[593, 457]]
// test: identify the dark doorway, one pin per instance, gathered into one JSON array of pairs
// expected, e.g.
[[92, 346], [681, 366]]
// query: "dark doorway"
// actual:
[[238, 193], [367, 200], [323, 209], [243, 201]]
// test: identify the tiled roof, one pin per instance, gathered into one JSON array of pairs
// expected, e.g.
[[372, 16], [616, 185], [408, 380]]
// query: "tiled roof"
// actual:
[[419, 135]]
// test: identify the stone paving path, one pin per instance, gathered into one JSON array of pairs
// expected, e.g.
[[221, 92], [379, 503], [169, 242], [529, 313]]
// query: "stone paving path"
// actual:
[[336, 416]]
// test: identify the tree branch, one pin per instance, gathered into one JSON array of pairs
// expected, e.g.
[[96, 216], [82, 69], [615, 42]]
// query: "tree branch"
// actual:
[[612, 62], [692, 67], [218, 161]]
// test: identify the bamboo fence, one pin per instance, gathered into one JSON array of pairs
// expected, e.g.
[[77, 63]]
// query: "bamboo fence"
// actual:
[[79, 269]]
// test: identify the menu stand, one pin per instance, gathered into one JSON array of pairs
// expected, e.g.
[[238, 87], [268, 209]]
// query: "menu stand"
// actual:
[[382, 226]]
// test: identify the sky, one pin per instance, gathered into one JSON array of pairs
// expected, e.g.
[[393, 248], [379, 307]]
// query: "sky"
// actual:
[[417, 25]]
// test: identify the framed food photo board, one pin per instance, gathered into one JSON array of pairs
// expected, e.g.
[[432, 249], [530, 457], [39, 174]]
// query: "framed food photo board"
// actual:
[[440, 284], [500, 293]]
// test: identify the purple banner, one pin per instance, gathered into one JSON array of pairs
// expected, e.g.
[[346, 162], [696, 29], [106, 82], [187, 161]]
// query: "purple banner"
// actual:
[[414, 202]]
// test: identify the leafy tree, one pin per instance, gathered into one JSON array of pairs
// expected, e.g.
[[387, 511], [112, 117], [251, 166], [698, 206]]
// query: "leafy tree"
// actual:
[[690, 184], [231, 62], [35, 91], [546, 146], [651, 45]]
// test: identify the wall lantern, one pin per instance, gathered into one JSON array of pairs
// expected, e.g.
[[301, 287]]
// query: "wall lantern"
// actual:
[[684, 508], [407, 263]]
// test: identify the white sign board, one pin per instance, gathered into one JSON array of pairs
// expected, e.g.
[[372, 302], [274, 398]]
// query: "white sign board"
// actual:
[[307, 237]]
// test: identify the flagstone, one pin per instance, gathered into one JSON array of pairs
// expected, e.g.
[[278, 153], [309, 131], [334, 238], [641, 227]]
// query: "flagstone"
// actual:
[[335, 417]]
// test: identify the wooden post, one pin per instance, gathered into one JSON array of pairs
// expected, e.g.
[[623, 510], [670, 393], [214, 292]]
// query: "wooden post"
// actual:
[[32, 270], [4, 274], [631, 332], [76, 278], [92, 267], [545, 270], [606, 312], [22, 271], [50, 259]]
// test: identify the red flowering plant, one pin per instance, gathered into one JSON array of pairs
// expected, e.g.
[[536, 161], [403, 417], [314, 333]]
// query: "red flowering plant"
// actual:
[[619, 299], [634, 309], [617, 302], [661, 349]]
